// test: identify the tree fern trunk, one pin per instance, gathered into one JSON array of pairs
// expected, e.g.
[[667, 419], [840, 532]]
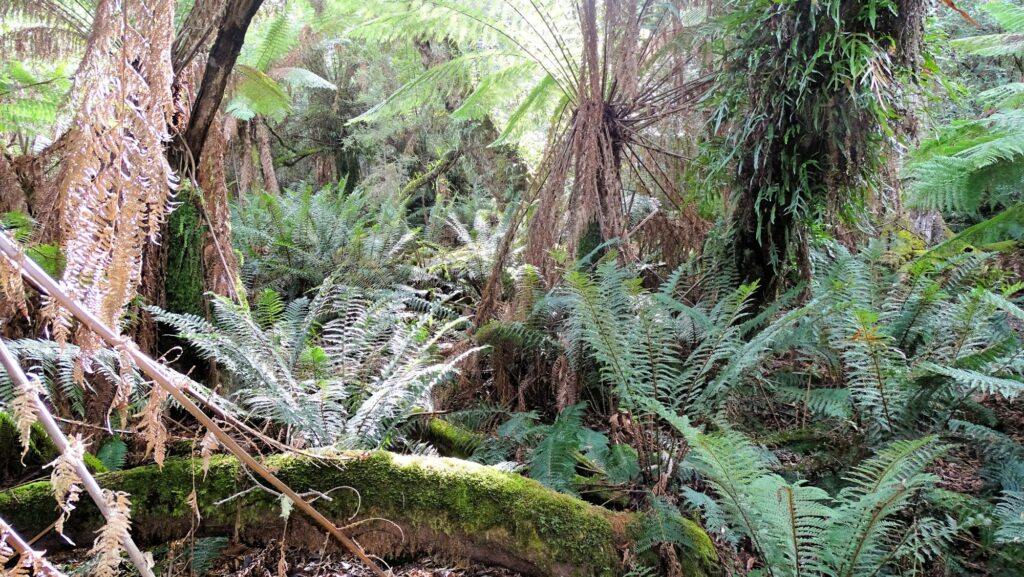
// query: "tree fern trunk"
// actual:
[[220, 267], [247, 172], [266, 157]]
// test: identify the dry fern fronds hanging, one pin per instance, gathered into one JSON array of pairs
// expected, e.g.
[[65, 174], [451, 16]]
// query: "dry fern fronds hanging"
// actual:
[[12, 289], [115, 183], [25, 415], [107, 547], [46, 29], [66, 483]]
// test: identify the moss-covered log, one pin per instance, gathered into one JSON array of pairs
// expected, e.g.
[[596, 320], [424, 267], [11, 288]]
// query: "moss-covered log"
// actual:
[[434, 505]]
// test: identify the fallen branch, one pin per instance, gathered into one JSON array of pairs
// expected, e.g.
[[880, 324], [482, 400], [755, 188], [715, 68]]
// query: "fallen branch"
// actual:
[[165, 378], [21, 382], [29, 558], [448, 508]]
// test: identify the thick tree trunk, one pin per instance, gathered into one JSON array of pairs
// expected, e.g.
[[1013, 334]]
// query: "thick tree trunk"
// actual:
[[219, 64], [12, 196], [444, 506]]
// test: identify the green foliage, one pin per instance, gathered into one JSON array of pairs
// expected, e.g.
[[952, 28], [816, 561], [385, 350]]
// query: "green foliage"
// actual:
[[291, 243], [23, 228], [198, 557], [553, 460], [30, 97], [57, 366], [347, 367], [653, 346], [185, 230], [113, 454], [970, 166], [662, 525], [914, 343], [1010, 511], [1010, 18], [564, 455], [269, 42], [973, 165], [806, 106], [802, 530]]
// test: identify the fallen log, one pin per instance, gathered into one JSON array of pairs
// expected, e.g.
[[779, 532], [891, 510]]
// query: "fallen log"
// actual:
[[393, 505]]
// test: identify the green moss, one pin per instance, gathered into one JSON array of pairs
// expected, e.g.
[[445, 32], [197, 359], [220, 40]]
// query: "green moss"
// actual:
[[451, 440], [451, 500], [184, 282]]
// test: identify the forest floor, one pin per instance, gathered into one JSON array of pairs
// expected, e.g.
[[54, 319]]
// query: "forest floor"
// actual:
[[239, 560]]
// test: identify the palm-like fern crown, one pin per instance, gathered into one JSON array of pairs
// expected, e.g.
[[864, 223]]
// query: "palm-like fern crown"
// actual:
[[604, 91], [344, 368]]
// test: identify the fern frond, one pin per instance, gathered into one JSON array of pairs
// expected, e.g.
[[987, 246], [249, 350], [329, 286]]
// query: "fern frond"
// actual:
[[1010, 512]]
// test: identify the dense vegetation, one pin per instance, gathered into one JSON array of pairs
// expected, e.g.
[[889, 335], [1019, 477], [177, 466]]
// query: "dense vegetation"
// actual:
[[737, 284]]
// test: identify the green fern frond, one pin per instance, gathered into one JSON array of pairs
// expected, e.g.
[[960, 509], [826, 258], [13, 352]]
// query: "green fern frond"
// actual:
[[553, 460], [258, 94], [456, 74], [1010, 513], [975, 381], [1010, 18]]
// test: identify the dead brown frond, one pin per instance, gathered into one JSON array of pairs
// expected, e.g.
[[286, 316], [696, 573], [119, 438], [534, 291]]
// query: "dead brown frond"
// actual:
[[30, 561], [12, 289], [45, 29], [66, 483], [24, 406], [107, 547], [207, 447], [152, 425], [115, 182]]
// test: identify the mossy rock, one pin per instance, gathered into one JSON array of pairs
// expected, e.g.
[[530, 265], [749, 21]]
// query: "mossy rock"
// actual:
[[436, 505]]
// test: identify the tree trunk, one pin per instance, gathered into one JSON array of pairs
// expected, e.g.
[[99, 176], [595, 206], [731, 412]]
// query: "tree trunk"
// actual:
[[220, 267], [266, 157], [247, 172], [219, 64]]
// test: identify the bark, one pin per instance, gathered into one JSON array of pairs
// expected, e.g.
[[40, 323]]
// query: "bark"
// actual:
[[12, 197], [266, 158], [247, 172], [220, 267], [448, 507], [219, 64]]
